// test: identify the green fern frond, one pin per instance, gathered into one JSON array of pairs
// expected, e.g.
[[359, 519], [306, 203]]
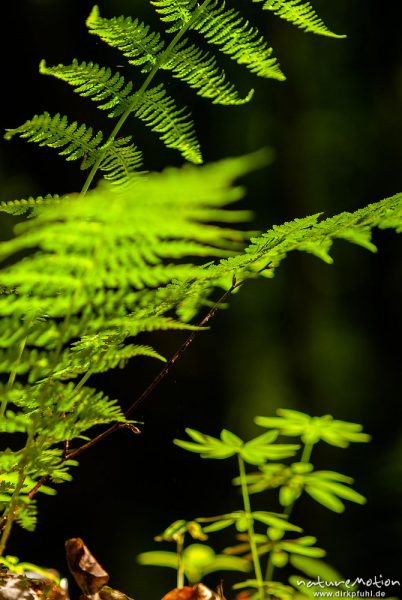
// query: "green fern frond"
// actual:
[[98, 83], [176, 130], [118, 158], [176, 12], [133, 38], [237, 38], [311, 235], [156, 109], [299, 13], [200, 71], [188, 63], [121, 159], [20, 207], [86, 356], [27, 515], [76, 140]]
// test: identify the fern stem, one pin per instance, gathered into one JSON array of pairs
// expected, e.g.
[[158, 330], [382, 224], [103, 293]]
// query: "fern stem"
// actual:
[[13, 373], [305, 458], [12, 510], [250, 528], [142, 90], [161, 375]]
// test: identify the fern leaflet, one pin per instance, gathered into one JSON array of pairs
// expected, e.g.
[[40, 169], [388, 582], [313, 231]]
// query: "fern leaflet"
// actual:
[[299, 13], [156, 109], [230, 32], [133, 38], [118, 158]]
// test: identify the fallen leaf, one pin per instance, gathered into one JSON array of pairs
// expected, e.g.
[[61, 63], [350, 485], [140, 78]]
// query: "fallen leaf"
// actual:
[[84, 567], [199, 591]]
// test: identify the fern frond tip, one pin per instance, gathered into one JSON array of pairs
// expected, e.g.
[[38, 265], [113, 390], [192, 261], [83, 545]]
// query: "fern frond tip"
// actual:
[[93, 15], [301, 15]]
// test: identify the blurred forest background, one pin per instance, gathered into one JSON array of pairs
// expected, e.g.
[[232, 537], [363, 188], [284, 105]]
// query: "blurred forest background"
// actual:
[[318, 338]]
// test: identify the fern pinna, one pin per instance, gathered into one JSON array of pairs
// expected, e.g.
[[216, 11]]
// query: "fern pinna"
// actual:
[[221, 27], [86, 273], [99, 270]]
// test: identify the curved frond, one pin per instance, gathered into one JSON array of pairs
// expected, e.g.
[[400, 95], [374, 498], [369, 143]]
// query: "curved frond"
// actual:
[[299, 13], [77, 141], [95, 82], [134, 39], [235, 37], [117, 158], [201, 72], [197, 68], [315, 236], [176, 13], [120, 160], [158, 110], [19, 207]]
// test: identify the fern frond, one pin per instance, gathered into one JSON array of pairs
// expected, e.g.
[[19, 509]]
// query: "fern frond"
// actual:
[[133, 38], [175, 12], [20, 207], [76, 140], [299, 13], [27, 515], [176, 129], [88, 356], [156, 109], [311, 235], [188, 63], [118, 158], [200, 71], [237, 38], [121, 159], [100, 84]]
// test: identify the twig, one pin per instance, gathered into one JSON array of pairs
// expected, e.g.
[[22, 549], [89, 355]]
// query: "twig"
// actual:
[[148, 391]]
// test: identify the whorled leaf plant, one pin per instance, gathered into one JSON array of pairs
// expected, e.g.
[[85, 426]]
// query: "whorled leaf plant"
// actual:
[[266, 541]]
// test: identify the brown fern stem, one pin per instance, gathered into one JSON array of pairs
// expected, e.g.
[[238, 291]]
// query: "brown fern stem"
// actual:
[[149, 389]]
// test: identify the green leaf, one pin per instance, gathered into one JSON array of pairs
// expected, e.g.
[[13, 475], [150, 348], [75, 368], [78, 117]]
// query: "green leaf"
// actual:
[[158, 558], [218, 526], [231, 439], [314, 568], [299, 548], [206, 445], [274, 521], [262, 448], [326, 499], [313, 429]]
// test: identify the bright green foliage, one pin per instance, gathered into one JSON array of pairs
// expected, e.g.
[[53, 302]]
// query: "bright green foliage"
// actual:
[[98, 270], [255, 452], [326, 487], [198, 68], [13, 564], [313, 429], [220, 26], [239, 519], [198, 561], [157, 109], [116, 159], [21, 206], [86, 274], [316, 237], [234, 36], [299, 13], [264, 534]]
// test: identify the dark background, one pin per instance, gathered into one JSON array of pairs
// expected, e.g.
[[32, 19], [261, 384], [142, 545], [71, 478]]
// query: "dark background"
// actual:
[[318, 338]]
